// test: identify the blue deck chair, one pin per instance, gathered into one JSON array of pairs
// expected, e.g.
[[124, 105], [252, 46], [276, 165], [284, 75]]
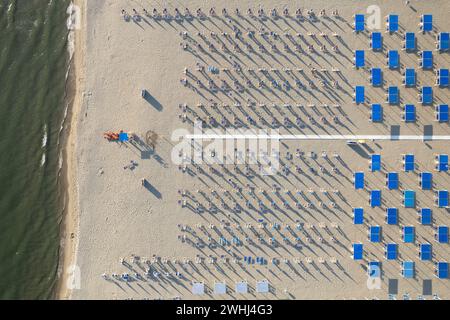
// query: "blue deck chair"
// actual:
[[377, 113], [376, 41], [358, 180], [357, 251], [426, 216], [392, 216], [359, 22], [410, 41], [408, 269], [392, 180], [443, 41], [409, 78], [409, 113], [376, 77], [425, 253], [359, 58], [408, 234], [426, 95], [375, 162], [426, 61], [393, 60], [375, 234], [442, 113], [391, 251], [442, 234], [359, 96], [358, 216], [392, 23], [442, 270], [374, 269], [392, 95], [426, 23], [426, 180], [409, 198], [442, 161], [408, 162], [442, 198], [442, 77], [375, 198]]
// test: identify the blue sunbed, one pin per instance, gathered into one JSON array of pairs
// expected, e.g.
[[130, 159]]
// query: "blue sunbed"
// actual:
[[410, 41], [442, 113], [392, 216], [443, 41], [375, 162], [442, 77], [408, 269], [442, 198], [426, 95], [358, 179], [359, 94], [357, 251], [408, 162], [408, 234], [359, 22], [427, 59], [409, 198], [392, 23], [393, 97], [376, 77], [426, 22], [442, 160], [375, 198], [426, 216], [391, 251], [442, 234], [392, 180], [442, 270], [409, 78], [375, 234], [393, 59], [425, 252], [409, 113], [426, 180], [376, 41], [377, 113], [358, 216], [359, 58]]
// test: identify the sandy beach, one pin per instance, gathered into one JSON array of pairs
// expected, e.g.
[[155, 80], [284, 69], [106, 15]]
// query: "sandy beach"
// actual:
[[140, 226]]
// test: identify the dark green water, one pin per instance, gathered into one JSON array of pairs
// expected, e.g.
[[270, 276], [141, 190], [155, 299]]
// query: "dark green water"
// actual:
[[33, 66]]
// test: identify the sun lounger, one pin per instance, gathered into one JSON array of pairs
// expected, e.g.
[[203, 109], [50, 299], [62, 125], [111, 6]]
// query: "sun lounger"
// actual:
[[442, 113], [409, 199], [442, 234], [375, 234], [392, 180], [358, 180], [393, 59], [409, 41], [359, 58], [425, 253], [426, 61], [426, 23], [408, 269], [425, 216], [442, 270], [375, 198], [357, 251], [409, 77], [392, 216], [442, 162], [262, 286], [198, 288], [408, 163], [442, 77], [443, 41], [408, 234], [374, 269], [376, 41], [426, 95], [393, 95], [442, 198], [241, 287], [358, 216], [376, 77], [426, 180], [358, 24], [391, 251], [409, 113], [220, 288], [392, 23], [375, 161], [359, 94]]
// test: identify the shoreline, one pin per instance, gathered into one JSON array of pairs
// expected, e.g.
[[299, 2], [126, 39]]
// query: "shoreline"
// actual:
[[70, 219]]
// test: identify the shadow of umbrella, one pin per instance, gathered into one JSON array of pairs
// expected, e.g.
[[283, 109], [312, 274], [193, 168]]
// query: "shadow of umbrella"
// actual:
[[151, 100]]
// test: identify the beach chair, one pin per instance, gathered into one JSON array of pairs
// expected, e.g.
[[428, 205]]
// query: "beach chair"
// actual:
[[375, 198], [393, 59], [392, 23], [392, 216], [358, 24], [425, 215], [409, 199], [359, 60], [374, 269], [376, 41], [262, 286], [358, 216], [442, 113], [358, 96], [376, 113], [409, 42], [408, 269], [426, 23], [392, 180], [375, 234], [425, 252], [391, 251], [408, 162], [241, 287], [426, 95], [358, 251], [442, 198], [358, 180], [441, 162], [408, 234], [426, 59], [409, 77], [376, 77], [409, 113], [442, 234], [198, 288], [375, 162], [442, 270], [220, 288], [426, 180], [393, 95], [443, 41], [442, 77]]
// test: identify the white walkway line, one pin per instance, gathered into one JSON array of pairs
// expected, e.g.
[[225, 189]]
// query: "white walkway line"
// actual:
[[315, 137]]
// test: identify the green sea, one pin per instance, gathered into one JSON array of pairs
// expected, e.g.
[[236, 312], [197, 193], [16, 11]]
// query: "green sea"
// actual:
[[33, 65]]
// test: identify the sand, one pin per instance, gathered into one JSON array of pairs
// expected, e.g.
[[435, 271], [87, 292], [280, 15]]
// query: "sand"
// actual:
[[120, 219]]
